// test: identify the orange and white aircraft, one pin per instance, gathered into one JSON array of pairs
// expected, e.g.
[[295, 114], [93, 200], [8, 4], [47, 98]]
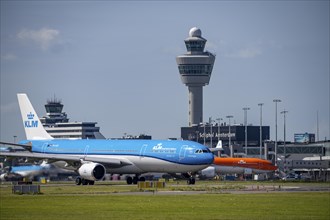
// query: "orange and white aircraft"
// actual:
[[230, 165]]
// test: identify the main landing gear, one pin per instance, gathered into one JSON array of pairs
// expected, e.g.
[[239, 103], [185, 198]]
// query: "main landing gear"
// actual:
[[82, 181], [134, 180], [191, 181], [190, 178]]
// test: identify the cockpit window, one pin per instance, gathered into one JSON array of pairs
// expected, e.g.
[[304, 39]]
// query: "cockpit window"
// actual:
[[200, 151]]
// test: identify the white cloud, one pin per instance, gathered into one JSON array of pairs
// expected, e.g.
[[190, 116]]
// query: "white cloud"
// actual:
[[8, 57], [44, 37], [248, 52], [211, 46]]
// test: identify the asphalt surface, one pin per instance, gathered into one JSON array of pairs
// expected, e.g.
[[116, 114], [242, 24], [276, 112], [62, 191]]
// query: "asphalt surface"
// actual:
[[248, 189], [212, 188]]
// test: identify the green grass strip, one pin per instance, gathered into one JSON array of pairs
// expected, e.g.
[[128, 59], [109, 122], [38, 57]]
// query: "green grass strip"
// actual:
[[302, 205]]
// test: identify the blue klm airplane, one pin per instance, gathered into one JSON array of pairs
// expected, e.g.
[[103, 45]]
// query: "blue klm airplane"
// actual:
[[30, 172], [91, 159]]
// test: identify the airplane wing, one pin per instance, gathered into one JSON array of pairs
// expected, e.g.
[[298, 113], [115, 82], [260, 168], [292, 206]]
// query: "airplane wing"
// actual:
[[25, 146], [70, 159]]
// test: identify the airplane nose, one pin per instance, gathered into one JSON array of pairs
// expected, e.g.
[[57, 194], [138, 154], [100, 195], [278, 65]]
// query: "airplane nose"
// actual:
[[209, 157]]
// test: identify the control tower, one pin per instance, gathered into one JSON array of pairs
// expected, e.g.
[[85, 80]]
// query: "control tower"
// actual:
[[54, 115], [195, 69], [57, 124]]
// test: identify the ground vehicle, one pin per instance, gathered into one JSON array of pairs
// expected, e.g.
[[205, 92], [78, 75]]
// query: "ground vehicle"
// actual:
[[290, 177]]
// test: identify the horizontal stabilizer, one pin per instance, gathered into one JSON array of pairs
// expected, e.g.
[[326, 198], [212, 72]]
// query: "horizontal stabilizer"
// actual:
[[218, 147], [215, 149]]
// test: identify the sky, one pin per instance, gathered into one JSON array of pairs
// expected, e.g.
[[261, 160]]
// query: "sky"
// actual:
[[113, 62]]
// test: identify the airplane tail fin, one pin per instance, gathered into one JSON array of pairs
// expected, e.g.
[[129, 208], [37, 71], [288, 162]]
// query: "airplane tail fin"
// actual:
[[32, 125], [219, 145], [218, 148]]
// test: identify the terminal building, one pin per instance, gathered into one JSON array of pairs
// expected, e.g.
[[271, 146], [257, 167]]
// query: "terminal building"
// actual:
[[134, 137], [308, 157], [57, 124], [304, 155], [210, 134]]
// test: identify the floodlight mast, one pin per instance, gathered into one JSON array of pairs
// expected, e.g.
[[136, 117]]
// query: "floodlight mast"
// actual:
[[245, 124], [276, 101], [260, 131], [195, 68], [229, 137]]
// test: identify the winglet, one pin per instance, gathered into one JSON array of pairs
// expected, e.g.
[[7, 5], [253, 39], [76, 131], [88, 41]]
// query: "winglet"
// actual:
[[32, 125]]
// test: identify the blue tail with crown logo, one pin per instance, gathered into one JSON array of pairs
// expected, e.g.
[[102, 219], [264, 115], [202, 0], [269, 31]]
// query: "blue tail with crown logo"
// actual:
[[32, 125]]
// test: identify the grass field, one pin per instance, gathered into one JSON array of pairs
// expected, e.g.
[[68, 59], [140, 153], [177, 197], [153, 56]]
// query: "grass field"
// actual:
[[103, 201]]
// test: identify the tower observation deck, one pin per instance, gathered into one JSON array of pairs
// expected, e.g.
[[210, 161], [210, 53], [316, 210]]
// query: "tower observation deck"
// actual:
[[195, 68], [54, 115]]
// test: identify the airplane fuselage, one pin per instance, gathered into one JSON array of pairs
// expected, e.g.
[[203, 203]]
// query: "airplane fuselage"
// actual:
[[91, 159], [138, 156], [238, 164], [223, 166]]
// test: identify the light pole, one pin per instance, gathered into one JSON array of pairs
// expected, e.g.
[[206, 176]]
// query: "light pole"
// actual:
[[317, 126], [276, 101], [284, 117], [204, 124], [229, 137], [245, 123], [219, 119], [211, 132], [260, 131]]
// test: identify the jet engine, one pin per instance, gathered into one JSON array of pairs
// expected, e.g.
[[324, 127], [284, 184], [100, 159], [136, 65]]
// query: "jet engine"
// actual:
[[208, 173], [92, 171]]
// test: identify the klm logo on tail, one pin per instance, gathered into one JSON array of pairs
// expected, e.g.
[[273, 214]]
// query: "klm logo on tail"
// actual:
[[30, 123]]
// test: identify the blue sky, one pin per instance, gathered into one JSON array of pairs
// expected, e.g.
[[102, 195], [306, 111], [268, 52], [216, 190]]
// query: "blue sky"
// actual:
[[113, 62]]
